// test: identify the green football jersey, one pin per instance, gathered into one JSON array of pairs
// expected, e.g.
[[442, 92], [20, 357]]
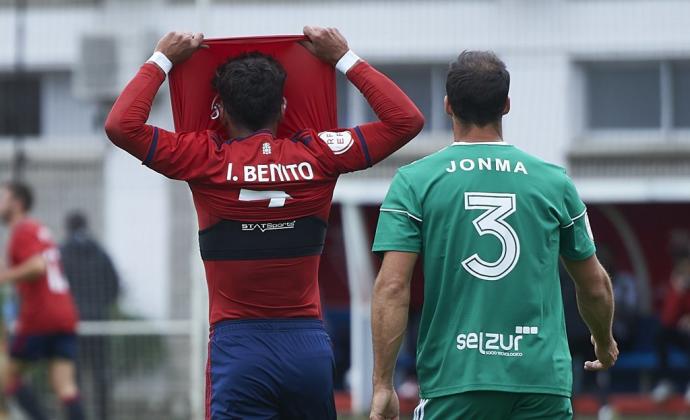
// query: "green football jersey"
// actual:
[[490, 222]]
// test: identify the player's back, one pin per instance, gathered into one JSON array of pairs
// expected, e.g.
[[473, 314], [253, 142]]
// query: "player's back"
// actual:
[[263, 212], [263, 202], [46, 304], [492, 220], [262, 205]]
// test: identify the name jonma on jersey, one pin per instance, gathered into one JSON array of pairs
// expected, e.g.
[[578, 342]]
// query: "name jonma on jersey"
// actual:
[[487, 164]]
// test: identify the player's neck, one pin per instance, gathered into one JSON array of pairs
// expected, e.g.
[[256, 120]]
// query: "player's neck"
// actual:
[[475, 134], [15, 219], [237, 132]]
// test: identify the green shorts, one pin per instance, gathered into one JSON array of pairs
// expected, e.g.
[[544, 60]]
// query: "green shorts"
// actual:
[[494, 405]]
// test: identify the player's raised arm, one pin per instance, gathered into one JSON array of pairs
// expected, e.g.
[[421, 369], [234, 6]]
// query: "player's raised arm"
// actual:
[[399, 118], [126, 124]]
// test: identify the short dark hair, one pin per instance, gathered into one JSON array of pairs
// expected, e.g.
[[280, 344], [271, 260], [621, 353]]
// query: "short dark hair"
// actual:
[[76, 221], [477, 87], [21, 192], [251, 88]]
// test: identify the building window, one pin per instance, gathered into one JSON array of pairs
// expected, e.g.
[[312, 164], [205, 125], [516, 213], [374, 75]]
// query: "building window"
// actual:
[[423, 83], [644, 95], [624, 96], [20, 107], [681, 97], [415, 81]]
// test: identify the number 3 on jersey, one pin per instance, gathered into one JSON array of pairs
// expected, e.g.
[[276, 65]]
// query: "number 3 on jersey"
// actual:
[[492, 222]]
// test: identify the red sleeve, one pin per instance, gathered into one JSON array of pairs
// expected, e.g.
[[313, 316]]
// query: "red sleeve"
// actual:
[[399, 122], [183, 156], [27, 242]]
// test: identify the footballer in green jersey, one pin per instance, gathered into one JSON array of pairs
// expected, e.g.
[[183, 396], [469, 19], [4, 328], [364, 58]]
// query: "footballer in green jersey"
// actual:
[[490, 222]]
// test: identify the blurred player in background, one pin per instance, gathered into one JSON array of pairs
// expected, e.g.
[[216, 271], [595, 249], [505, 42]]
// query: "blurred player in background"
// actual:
[[46, 327], [491, 222], [675, 328], [95, 285], [4, 358], [263, 204]]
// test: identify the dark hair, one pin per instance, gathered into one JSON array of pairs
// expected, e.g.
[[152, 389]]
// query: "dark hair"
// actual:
[[251, 88], [76, 221], [477, 87], [21, 192]]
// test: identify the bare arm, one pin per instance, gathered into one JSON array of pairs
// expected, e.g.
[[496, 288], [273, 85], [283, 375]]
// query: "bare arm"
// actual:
[[596, 305], [389, 309], [29, 270]]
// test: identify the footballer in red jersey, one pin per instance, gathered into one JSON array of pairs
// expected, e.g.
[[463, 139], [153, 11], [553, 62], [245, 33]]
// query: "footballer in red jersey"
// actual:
[[262, 204], [47, 322]]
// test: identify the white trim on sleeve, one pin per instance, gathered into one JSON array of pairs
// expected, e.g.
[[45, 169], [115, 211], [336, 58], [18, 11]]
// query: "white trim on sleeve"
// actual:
[[159, 59], [347, 61], [572, 221], [410, 215]]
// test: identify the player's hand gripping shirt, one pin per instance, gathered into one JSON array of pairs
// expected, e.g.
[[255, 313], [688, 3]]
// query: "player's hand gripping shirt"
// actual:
[[46, 305], [491, 222], [263, 201]]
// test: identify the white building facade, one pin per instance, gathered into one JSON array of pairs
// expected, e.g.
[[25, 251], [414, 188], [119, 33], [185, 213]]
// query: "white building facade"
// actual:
[[602, 87], [595, 84]]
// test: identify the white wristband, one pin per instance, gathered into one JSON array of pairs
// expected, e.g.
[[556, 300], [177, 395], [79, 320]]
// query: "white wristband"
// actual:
[[161, 61], [347, 61]]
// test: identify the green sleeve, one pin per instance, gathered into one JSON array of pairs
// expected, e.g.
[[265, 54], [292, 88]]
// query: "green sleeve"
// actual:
[[400, 219], [576, 241]]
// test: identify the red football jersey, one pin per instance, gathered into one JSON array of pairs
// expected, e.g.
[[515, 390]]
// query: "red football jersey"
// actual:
[[309, 88], [263, 202], [46, 305]]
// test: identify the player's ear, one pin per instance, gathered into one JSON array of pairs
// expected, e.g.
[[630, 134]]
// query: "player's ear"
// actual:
[[217, 109], [446, 106], [283, 108], [223, 117], [220, 114], [506, 108]]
